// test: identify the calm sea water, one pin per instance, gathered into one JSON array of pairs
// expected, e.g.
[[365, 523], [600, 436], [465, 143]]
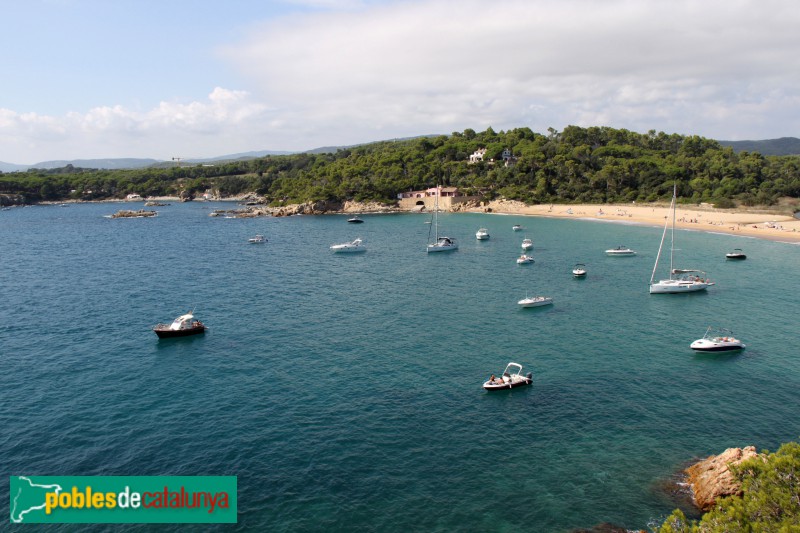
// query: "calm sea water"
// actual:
[[344, 391]]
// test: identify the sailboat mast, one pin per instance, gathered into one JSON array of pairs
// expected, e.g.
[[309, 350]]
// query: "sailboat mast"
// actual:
[[436, 212], [672, 244], [660, 247]]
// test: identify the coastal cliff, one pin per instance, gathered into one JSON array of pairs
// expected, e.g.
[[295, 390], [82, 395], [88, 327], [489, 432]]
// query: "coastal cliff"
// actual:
[[712, 479]]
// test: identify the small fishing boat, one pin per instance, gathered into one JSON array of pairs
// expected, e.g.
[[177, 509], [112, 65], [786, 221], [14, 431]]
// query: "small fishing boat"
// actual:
[[579, 271], [482, 234], [182, 326], [717, 340], [511, 378], [524, 260], [349, 247], [535, 301], [620, 251], [737, 253], [258, 239]]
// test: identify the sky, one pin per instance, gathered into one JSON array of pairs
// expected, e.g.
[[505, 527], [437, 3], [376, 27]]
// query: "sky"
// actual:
[[84, 79]]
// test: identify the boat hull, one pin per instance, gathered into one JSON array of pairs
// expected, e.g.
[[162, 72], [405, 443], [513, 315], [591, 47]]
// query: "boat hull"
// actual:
[[677, 287], [436, 248], [351, 250], [735, 257], [170, 333], [535, 303], [714, 347]]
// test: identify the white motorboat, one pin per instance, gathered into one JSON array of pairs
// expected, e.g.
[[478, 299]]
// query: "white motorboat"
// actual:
[[355, 220], [620, 251], [440, 244], [680, 280], [258, 239], [524, 260], [349, 247], [511, 378], [579, 270], [516, 227], [527, 243], [535, 301], [717, 340], [737, 253], [482, 234]]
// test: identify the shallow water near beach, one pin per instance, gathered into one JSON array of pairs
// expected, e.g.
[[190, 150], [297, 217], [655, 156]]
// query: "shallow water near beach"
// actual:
[[344, 390]]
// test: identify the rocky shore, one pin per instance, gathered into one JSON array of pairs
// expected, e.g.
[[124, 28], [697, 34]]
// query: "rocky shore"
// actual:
[[711, 478], [7, 200], [252, 209]]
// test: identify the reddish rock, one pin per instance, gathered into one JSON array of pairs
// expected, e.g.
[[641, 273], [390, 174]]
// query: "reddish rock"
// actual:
[[711, 478]]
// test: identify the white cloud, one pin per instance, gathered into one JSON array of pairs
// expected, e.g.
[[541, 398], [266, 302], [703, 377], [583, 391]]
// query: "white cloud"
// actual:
[[348, 71], [224, 123], [416, 67]]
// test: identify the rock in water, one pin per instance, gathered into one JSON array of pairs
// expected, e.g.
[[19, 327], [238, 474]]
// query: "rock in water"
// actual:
[[711, 478]]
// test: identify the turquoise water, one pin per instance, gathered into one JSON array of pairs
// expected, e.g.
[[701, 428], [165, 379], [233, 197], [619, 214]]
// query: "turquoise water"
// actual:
[[344, 391]]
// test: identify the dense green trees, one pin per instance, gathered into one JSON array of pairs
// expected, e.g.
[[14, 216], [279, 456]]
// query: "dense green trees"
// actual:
[[596, 164], [770, 499]]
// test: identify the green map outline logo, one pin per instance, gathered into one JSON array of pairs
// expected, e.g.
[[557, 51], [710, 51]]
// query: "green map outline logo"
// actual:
[[18, 514], [123, 499]]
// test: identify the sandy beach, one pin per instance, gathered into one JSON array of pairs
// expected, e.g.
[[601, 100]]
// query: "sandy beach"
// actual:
[[701, 218]]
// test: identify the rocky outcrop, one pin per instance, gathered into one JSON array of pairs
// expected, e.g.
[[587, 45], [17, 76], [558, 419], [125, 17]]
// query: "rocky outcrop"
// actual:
[[308, 208], [141, 213], [712, 479], [11, 199]]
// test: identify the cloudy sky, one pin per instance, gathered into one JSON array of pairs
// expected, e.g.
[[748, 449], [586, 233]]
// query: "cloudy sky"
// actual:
[[202, 78]]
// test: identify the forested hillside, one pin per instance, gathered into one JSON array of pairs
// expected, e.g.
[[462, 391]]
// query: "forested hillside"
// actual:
[[591, 165]]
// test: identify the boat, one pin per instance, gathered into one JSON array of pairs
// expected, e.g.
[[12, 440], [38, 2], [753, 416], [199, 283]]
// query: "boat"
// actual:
[[516, 227], [482, 234], [524, 259], [737, 253], [620, 251], [349, 247], [258, 239], [535, 301], [355, 220], [680, 280], [527, 243], [182, 326], [579, 270], [440, 244], [511, 378], [717, 340]]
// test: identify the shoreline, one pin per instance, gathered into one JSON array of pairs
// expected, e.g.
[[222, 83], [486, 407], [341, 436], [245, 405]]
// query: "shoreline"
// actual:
[[741, 222], [768, 226]]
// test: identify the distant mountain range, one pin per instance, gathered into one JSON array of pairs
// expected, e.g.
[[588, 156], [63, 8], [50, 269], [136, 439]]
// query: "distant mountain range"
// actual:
[[782, 146]]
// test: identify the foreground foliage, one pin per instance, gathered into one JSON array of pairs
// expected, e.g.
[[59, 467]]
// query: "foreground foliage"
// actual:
[[580, 165], [770, 500]]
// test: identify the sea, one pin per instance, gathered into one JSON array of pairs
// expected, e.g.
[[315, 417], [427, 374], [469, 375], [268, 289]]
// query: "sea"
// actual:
[[344, 390]]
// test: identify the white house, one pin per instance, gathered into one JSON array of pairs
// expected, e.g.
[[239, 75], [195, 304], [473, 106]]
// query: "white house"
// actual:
[[477, 155]]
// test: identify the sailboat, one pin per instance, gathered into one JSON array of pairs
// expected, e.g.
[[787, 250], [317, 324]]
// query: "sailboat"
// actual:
[[440, 244], [680, 280]]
